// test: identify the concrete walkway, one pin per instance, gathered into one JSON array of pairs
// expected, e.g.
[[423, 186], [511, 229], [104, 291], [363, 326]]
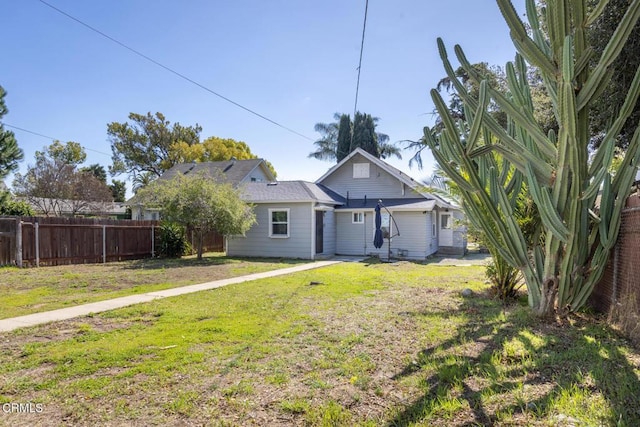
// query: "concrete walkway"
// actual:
[[11, 324]]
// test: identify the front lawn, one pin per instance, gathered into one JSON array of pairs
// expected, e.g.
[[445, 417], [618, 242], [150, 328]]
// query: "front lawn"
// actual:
[[350, 344], [32, 290]]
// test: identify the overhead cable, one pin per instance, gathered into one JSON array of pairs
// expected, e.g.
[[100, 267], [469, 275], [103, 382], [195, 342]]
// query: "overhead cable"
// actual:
[[182, 76]]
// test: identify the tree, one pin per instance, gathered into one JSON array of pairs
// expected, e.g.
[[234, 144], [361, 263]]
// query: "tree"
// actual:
[[96, 170], [145, 146], [579, 201], [361, 133], [10, 153], [200, 202], [343, 143], [118, 188], [621, 70], [54, 184], [213, 149], [141, 180], [327, 145]]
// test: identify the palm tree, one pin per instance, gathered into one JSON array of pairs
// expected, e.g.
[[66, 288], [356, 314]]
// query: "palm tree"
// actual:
[[142, 180], [327, 145]]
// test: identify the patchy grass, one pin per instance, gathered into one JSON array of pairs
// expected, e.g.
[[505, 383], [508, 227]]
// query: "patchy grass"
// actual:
[[32, 290], [373, 344]]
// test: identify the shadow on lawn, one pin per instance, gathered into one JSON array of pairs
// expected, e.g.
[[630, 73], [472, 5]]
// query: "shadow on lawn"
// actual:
[[585, 357], [208, 260]]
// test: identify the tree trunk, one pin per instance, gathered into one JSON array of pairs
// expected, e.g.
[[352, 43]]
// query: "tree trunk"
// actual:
[[200, 241], [546, 306]]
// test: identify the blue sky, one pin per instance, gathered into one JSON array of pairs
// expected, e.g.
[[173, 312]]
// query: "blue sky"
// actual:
[[294, 62]]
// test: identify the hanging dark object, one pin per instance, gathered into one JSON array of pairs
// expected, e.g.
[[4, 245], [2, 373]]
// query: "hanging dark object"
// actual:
[[378, 239]]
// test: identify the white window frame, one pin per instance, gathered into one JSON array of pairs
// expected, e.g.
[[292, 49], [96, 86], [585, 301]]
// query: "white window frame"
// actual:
[[271, 223], [359, 219], [361, 170]]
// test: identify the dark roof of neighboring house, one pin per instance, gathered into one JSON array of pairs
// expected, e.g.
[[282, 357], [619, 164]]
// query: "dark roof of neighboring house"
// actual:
[[406, 204], [289, 191], [234, 171]]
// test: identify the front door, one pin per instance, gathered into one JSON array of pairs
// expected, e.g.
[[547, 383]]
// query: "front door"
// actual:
[[319, 232]]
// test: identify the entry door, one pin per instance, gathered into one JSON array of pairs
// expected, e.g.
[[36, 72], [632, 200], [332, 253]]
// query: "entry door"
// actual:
[[319, 232]]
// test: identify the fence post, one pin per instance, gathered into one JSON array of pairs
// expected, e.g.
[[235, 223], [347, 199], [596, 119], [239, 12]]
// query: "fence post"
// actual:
[[153, 243], [36, 228], [104, 244], [19, 242]]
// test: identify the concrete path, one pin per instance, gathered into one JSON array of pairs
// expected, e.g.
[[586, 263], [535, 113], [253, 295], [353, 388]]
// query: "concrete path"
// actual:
[[7, 325]]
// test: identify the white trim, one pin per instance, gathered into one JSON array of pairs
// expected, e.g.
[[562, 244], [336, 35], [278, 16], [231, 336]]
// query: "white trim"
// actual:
[[313, 232], [360, 214], [279, 236]]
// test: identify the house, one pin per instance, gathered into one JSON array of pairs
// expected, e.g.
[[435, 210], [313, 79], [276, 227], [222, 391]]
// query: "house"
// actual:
[[335, 215], [76, 208], [236, 172]]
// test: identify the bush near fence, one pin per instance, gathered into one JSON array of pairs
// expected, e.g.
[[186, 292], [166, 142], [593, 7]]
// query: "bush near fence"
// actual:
[[37, 241]]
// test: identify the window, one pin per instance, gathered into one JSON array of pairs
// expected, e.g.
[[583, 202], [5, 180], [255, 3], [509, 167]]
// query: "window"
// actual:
[[358, 218], [361, 170], [445, 221], [279, 223]]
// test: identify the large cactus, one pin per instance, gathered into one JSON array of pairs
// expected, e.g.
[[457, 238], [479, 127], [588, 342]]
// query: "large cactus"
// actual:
[[579, 200]]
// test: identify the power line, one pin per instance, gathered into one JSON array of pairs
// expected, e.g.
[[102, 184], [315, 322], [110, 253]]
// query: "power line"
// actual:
[[364, 27], [355, 105], [182, 76], [49, 137]]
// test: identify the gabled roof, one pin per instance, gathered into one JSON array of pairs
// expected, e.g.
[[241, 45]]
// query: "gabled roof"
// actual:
[[397, 173], [234, 171], [289, 191]]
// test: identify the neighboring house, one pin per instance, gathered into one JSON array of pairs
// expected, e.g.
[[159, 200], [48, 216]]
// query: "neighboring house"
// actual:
[[75, 208], [234, 171], [335, 215]]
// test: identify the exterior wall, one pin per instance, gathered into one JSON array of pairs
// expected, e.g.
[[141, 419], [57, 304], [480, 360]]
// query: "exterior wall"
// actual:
[[352, 239], [414, 240], [258, 243], [379, 185], [329, 233]]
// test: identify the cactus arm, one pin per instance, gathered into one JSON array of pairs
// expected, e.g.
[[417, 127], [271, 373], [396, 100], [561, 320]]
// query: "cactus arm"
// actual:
[[610, 53], [521, 40], [596, 12]]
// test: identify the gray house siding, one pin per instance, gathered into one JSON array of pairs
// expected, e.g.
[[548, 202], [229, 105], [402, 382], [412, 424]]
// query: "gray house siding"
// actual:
[[379, 185], [258, 243], [353, 238], [412, 243], [329, 233]]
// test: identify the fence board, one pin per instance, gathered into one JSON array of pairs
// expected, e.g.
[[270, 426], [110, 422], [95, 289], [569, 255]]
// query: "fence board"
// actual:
[[80, 240]]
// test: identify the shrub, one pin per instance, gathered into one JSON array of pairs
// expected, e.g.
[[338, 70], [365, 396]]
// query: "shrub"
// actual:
[[173, 241]]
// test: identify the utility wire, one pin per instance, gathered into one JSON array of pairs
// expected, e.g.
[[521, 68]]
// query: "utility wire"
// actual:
[[48, 137], [355, 105], [182, 76]]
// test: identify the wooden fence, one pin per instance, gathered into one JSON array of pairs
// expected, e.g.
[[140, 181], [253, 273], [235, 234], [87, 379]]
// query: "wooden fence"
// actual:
[[37, 241]]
